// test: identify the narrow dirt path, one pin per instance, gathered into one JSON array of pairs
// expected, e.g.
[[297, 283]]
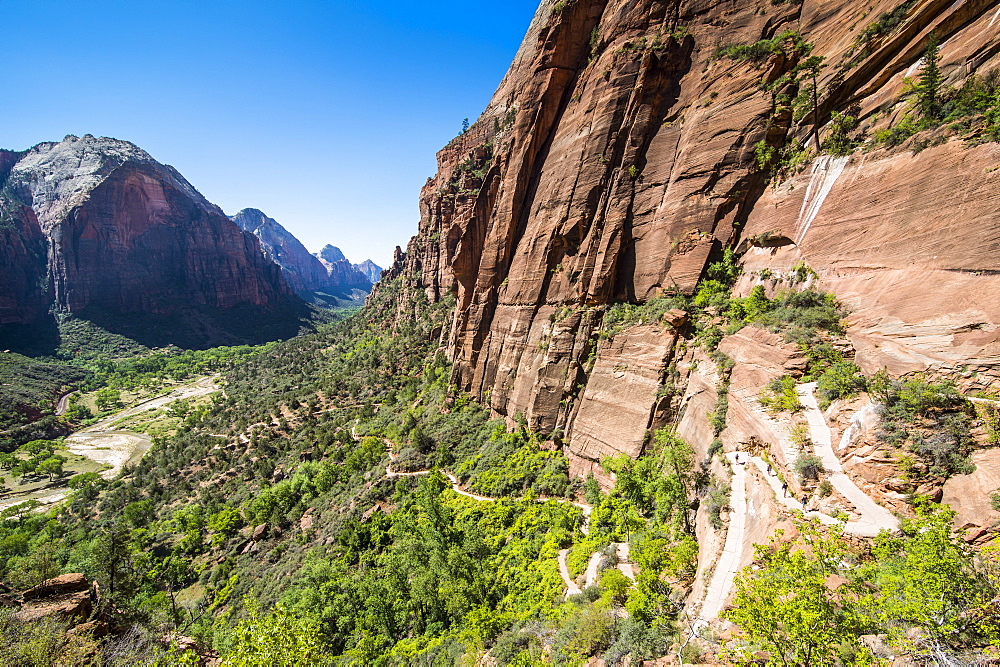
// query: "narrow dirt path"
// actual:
[[729, 560], [874, 517]]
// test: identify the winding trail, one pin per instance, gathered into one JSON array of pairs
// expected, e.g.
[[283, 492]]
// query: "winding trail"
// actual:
[[729, 560], [874, 517], [571, 587]]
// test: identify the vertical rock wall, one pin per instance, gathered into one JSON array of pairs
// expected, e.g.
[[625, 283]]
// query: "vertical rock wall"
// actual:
[[618, 156]]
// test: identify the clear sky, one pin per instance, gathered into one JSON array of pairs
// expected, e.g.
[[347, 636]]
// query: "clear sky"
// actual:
[[324, 115]]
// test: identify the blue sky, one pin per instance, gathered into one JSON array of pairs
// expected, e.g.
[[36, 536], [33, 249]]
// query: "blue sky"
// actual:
[[325, 115]]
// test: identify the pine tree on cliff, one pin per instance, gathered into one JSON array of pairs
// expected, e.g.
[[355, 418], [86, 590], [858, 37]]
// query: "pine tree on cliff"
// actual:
[[929, 82]]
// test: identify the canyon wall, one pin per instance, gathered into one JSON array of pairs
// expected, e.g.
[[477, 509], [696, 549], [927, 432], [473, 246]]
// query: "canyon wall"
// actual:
[[620, 155], [96, 223]]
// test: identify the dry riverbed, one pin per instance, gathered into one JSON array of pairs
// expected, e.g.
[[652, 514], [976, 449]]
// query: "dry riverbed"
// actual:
[[108, 445]]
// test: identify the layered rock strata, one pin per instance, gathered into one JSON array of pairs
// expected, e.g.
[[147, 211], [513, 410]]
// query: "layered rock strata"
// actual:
[[96, 222], [341, 274], [623, 151], [302, 270]]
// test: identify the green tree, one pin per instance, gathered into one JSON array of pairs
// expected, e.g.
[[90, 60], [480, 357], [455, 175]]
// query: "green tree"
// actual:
[[927, 577], [52, 466], [786, 608], [929, 82], [112, 559], [108, 399], [277, 639], [812, 66]]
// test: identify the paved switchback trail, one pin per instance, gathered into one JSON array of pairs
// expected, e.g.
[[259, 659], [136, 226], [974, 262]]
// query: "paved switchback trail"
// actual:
[[874, 517], [728, 563]]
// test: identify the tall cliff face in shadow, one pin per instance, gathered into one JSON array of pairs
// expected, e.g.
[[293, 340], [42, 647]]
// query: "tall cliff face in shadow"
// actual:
[[97, 228], [631, 141]]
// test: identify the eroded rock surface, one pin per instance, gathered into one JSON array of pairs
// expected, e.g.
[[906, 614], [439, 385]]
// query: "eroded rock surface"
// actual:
[[97, 224], [617, 158]]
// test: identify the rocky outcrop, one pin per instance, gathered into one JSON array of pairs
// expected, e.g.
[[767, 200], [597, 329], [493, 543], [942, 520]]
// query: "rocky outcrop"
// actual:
[[96, 224], [302, 270], [620, 155], [68, 597], [24, 294]]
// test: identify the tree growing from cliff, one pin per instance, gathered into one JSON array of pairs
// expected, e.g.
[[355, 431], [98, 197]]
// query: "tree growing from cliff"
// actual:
[[929, 82]]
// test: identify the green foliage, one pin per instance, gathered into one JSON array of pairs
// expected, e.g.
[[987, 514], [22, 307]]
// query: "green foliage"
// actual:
[[924, 589], [884, 24], [276, 639], [931, 417], [726, 270], [780, 395], [764, 155], [809, 466], [786, 608], [842, 379], [928, 578], [510, 464], [623, 315], [929, 82], [716, 501], [839, 141], [30, 390], [758, 52]]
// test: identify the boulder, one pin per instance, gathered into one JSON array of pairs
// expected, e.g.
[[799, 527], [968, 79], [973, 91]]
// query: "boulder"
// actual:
[[65, 583]]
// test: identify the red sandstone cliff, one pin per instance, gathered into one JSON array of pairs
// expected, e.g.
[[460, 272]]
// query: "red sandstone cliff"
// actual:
[[618, 155], [97, 223]]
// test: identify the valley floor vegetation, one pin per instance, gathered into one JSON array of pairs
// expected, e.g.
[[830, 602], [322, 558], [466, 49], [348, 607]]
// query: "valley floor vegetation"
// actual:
[[307, 517]]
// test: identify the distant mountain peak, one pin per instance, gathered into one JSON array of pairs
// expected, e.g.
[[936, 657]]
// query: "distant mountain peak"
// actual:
[[331, 253]]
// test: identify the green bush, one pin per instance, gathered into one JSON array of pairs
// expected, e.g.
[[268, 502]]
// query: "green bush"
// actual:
[[842, 379], [780, 395], [809, 466]]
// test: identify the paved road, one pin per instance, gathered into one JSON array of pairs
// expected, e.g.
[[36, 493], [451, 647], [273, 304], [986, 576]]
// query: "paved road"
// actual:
[[115, 447], [63, 404]]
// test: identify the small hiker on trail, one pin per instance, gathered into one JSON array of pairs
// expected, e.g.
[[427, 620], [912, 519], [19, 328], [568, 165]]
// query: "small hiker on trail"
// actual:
[[804, 499], [784, 489]]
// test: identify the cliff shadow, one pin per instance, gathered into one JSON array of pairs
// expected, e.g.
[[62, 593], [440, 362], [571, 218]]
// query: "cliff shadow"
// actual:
[[201, 327], [39, 339]]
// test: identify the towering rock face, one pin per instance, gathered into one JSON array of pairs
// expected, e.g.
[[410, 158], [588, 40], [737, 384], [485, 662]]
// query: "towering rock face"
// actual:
[[302, 270], [341, 274], [627, 146], [96, 223], [24, 294], [371, 270]]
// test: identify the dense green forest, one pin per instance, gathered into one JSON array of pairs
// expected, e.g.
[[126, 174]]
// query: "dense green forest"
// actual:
[[276, 525]]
